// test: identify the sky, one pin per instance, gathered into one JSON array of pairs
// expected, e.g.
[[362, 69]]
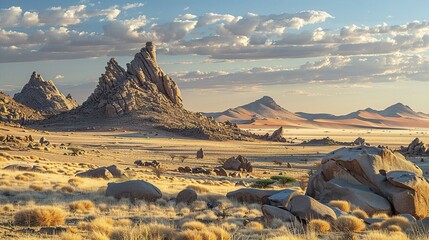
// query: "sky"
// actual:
[[311, 56]]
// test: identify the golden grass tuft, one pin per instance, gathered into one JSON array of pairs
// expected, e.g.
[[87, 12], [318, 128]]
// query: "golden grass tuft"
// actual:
[[198, 188], [67, 189], [189, 235], [379, 235], [221, 234], [40, 216], [75, 182], [340, 204], [360, 213], [6, 208], [399, 221], [82, 206], [380, 215], [394, 228], [22, 177], [70, 236], [349, 224], [194, 225], [319, 226], [255, 226], [36, 187]]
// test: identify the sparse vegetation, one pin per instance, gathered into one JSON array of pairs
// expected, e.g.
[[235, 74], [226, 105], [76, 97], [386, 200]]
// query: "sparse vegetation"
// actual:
[[40, 216], [340, 204], [349, 224], [81, 206], [263, 183], [283, 179], [319, 226]]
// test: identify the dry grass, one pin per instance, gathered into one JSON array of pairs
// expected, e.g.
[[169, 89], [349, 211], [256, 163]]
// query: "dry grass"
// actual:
[[6, 208], [380, 215], [40, 216], [149, 231], [319, 226], [101, 225], [221, 234], [349, 224], [82, 206], [340, 204], [194, 225], [255, 226], [67, 189], [378, 235], [36, 187], [198, 188], [75, 182], [70, 236], [360, 213], [399, 221]]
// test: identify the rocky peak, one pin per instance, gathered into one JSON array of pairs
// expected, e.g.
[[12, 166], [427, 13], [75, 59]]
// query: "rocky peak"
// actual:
[[12, 111], [44, 96]]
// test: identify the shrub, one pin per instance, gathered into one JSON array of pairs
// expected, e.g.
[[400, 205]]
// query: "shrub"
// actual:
[[379, 235], [319, 226], [75, 182], [349, 224], [40, 216], [81, 206], [36, 187], [22, 177], [394, 228], [342, 205], [6, 208], [399, 221], [67, 189], [263, 183], [221, 234], [198, 188], [283, 179], [360, 213], [158, 170], [255, 226]]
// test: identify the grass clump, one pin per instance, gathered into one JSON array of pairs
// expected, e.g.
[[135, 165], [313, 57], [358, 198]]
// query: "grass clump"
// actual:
[[283, 179], [81, 206], [263, 183], [40, 216], [75, 182], [255, 226], [340, 204], [319, 226], [349, 224], [397, 221], [198, 188], [360, 213]]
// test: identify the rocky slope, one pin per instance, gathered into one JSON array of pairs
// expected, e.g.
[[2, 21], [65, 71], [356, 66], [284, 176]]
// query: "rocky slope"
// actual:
[[44, 96], [12, 111], [143, 95]]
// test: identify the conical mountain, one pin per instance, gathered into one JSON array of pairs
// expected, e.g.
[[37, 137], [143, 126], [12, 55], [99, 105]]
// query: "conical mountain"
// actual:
[[44, 96], [144, 96]]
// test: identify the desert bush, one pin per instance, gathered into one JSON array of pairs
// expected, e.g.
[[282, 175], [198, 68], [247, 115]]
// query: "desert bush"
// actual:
[[263, 183], [399, 221], [221, 234], [158, 170], [394, 228], [102, 225], [319, 226], [40, 216], [360, 213], [342, 205], [283, 179], [75, 182], [189, 235], [349, 224], [36, 187], [255, 226], [198, 188], [81, 206]]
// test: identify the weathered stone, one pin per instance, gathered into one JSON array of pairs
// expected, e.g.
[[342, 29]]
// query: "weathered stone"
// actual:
[[220, 172], [200, 154], [307, 208], [272, 212], [13, 111], [283, 198], [278, 135], [135, 189], [239, 163], [251, 195], [19, 167], [96, 173], [187, 196], [416, 147]]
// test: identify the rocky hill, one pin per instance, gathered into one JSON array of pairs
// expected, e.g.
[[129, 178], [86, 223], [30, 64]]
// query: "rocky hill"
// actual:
[[44, 96], [143, 96], [12, 111]]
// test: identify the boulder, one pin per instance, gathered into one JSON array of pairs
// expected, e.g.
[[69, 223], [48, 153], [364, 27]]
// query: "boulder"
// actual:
[[200, 154], [416, 147], [201, 170], [19, 167], [184, 169], [238, 164], [220, 172], [96, 173], [359, 141], [283, 198], [307, 208], [271, 212], [116, 171], [251, 195], [187, 196], [135, 189]]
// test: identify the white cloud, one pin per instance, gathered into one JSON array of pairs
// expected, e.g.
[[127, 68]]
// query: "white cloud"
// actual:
[[10, 17], [132, 5], [59, 76]]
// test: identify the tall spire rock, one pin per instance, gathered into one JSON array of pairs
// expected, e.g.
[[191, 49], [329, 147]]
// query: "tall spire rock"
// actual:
[[44, 96]]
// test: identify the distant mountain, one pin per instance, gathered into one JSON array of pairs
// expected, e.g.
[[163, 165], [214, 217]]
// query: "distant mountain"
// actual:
[[264, 108], [265, 112], [12, 111]]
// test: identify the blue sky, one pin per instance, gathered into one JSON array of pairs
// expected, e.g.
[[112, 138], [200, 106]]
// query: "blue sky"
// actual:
[[314, 56]]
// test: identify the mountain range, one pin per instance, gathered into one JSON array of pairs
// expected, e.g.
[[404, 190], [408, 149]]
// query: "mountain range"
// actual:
[[265, 112]]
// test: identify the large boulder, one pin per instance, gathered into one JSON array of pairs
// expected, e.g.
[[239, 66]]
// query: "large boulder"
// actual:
[[272, 212], [251, 195], [187, 196], [307, 208], [282, 198], [104, 172], [135, 189], [376, 169], [239, 163]]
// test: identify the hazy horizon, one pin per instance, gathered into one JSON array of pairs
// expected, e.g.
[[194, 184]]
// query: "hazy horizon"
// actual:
[[309, 56]]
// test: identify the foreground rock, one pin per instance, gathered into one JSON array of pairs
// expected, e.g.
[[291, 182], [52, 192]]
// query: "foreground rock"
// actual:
[[307, 208], [12, 111], [271, 212], [44, 96], [142, 96], [103, 172], [239, 163], [136, 189], [377, 173]]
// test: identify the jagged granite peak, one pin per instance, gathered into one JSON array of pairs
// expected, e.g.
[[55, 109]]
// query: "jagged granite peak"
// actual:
[[12, 111], [121, 91], [44, 96]]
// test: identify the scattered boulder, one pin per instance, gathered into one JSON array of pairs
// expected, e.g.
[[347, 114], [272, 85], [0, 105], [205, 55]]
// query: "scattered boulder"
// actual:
[[283, 198], [200, 154], [239, 163], [187, 196], [220, 171], [271, 212], [360, 141], [135, 189], [153, 163], [19, 167], [103, 172], [307, 208], [251, 195], [184, 169], [278, 136], [13, 111], [416, 148], [201, 170]]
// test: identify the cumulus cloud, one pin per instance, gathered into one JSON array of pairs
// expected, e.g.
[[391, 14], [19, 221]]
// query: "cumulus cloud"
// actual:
[[132, 5], [59, 77]]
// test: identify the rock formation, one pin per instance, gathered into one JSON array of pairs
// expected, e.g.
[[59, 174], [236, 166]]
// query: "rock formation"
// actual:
[[44, 96], [416, 148], [12, 111], [278, 135], [141, 96], [374, 179], [239, 163]]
